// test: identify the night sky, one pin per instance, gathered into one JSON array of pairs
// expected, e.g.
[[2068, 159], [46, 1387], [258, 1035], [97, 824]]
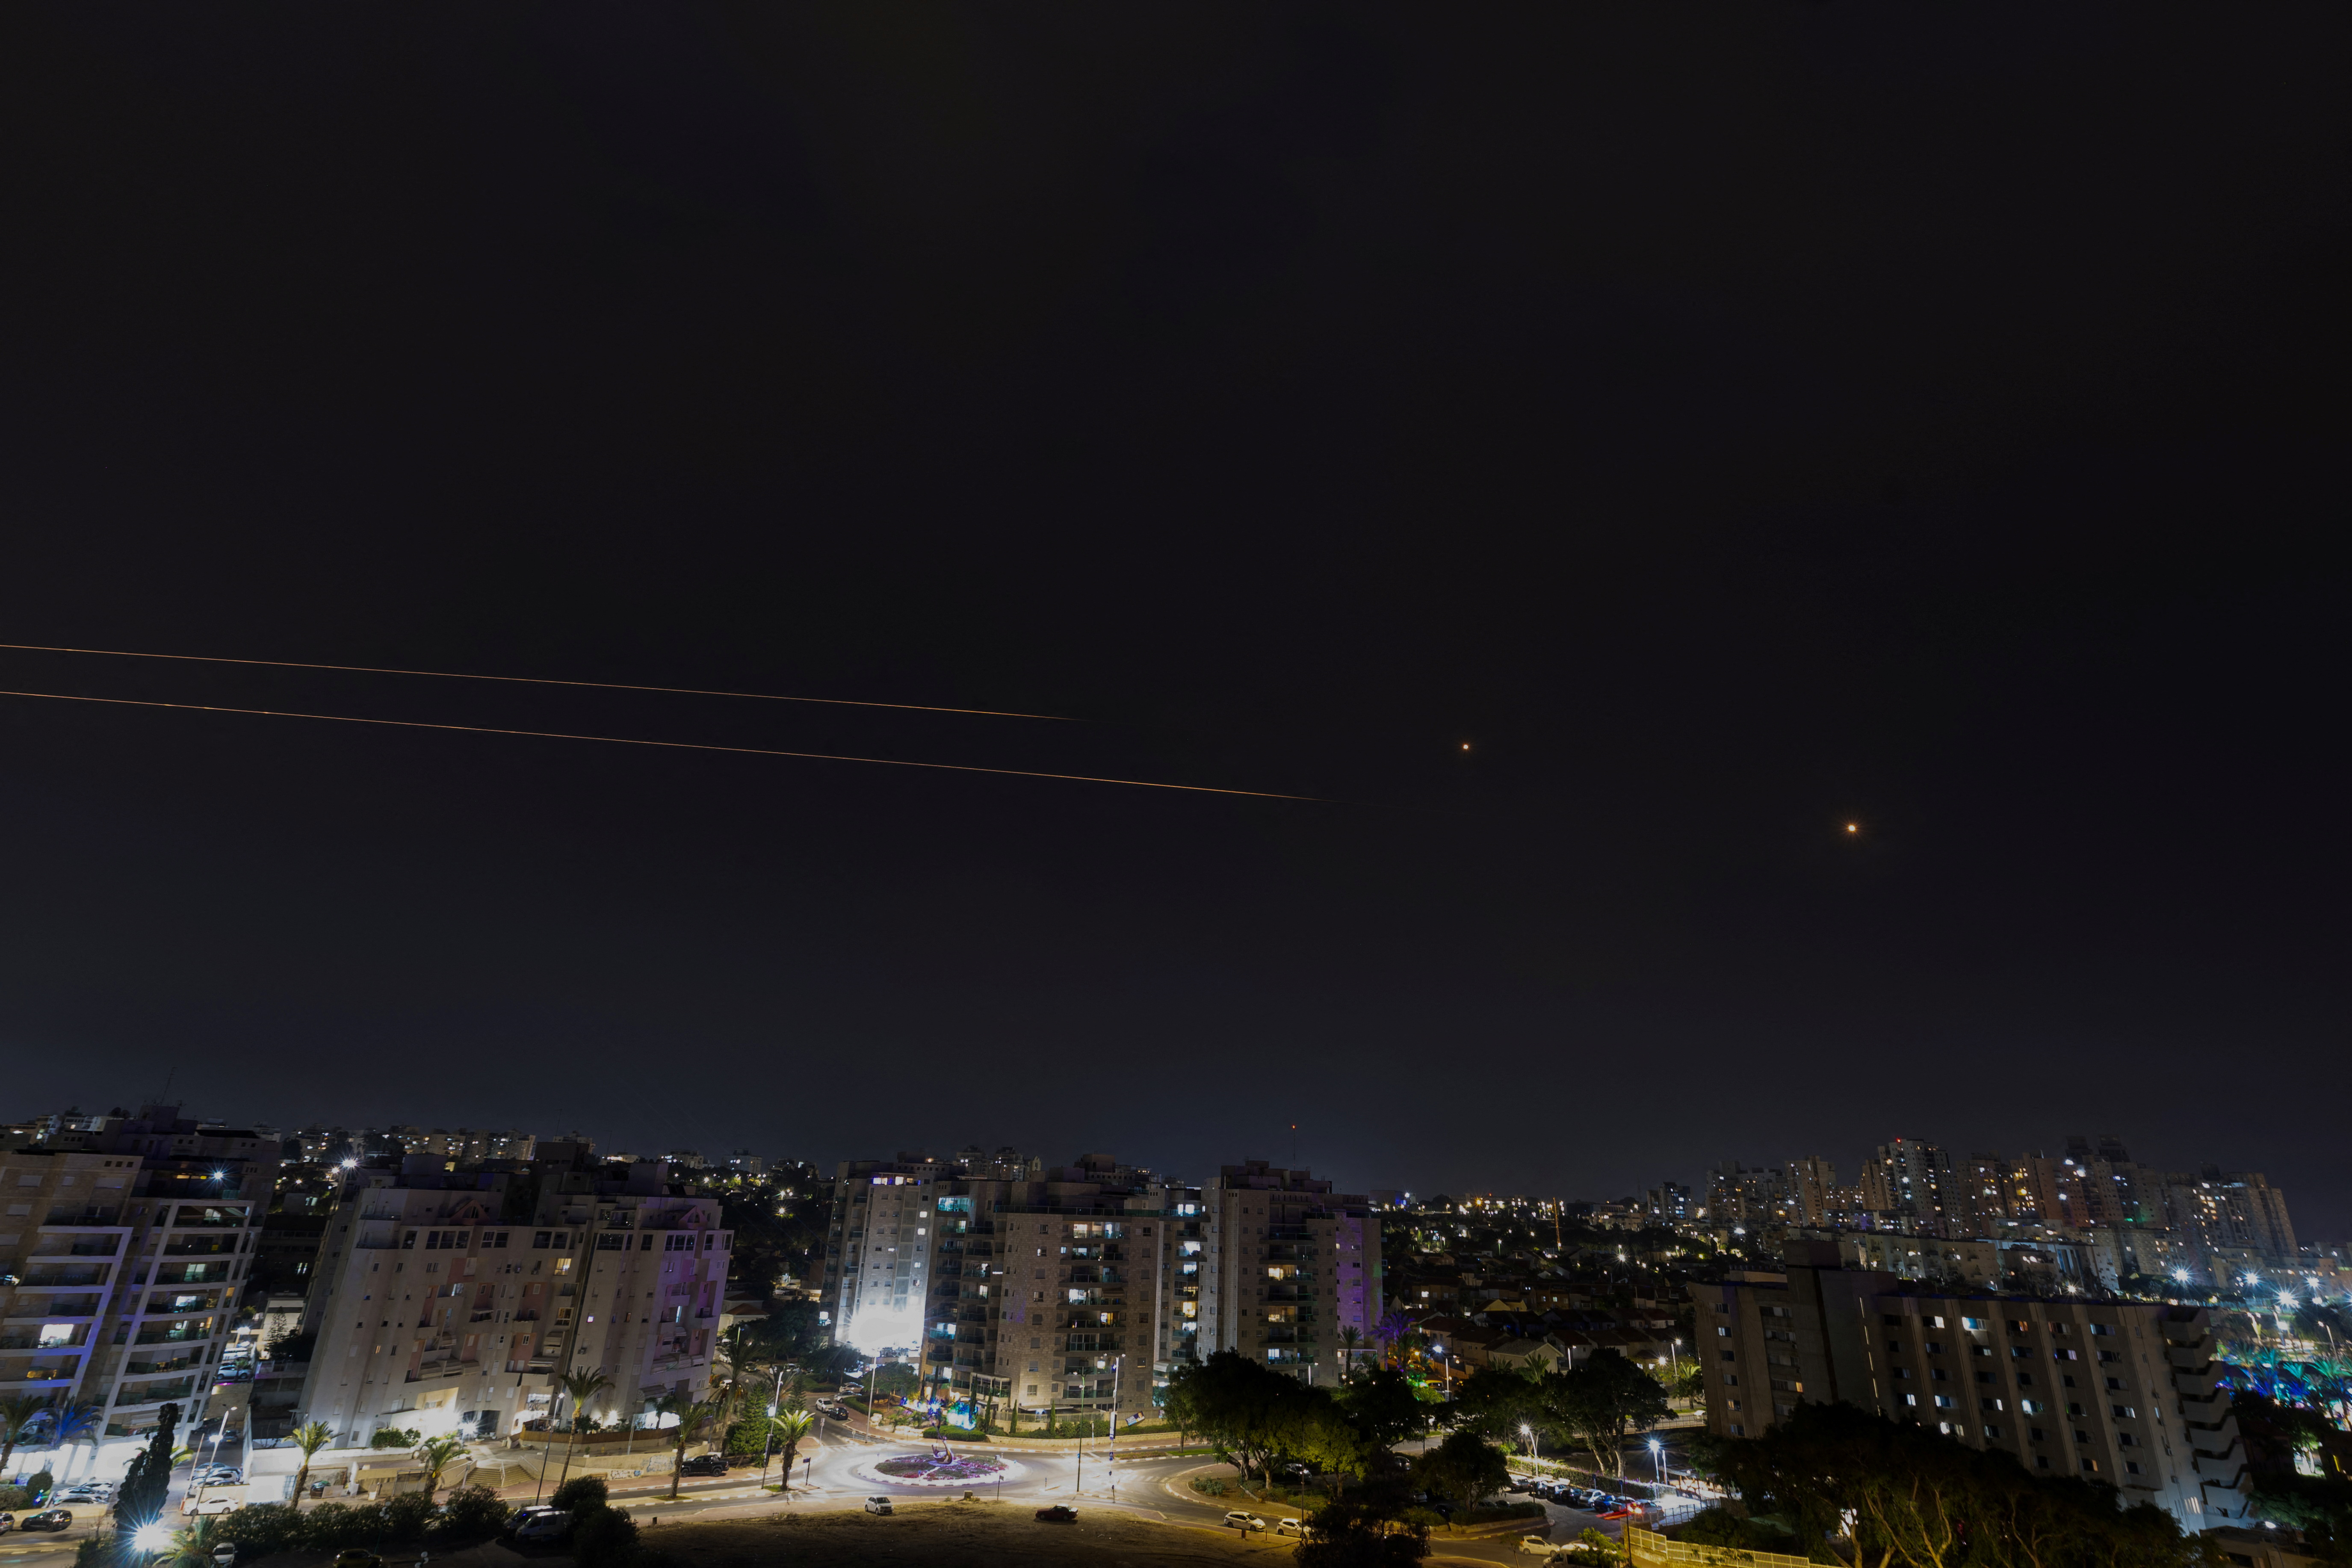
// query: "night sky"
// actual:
[[1730, 425]]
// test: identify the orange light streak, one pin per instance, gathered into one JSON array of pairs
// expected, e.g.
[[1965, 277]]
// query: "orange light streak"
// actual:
[[533, 680], [671, 745]]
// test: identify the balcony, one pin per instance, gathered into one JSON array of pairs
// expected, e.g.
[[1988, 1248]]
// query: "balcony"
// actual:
[[177, 1363], [201, 1247], [85, 1214], [64, 1279], [172, 1336], [155, 1393]]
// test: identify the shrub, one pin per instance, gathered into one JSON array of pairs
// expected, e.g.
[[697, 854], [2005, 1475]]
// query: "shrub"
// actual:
[[580, 1493], [407, 1517], [604, 1538], [261, 1529], [1422, 1518], [472, 1513], [1206, 1484], [394, 1438], [15, 1497], [40, 1483]]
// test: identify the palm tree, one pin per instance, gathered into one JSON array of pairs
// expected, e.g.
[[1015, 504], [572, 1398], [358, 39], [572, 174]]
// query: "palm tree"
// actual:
[[78, 1422], [189, 1546], [1391, 1330], [19, 1415], [1352, 1339], [437, 1453], [694, 1417], [582, 1386], [791, 1427], [309, 1438]]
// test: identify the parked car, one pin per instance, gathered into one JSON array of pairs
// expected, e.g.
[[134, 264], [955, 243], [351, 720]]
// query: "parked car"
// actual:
[[1537, 1546], [1244, 1521], [1291, 1527], [878, 1505], [1057, 1514], [544, 1524], [833, 1407], [7, 1522], [357, 1557], [210, 1507], [704, 1465], [96, 1492], [47, 1518], [216, 1476]]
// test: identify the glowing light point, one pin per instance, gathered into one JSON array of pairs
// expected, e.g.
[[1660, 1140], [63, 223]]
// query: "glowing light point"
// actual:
[[151, 1538], [1853, 828]]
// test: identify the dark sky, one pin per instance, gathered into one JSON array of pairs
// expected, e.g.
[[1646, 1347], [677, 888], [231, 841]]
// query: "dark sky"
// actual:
[[1731, 423]]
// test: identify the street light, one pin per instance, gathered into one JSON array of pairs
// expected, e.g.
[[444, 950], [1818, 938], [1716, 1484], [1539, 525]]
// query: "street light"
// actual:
[[1657, 1461]]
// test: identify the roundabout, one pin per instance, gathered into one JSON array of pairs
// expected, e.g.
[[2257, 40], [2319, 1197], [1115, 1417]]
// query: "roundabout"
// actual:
[[938, 1466]]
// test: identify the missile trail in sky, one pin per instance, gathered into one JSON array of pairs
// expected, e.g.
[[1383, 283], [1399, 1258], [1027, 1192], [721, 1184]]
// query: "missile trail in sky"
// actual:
[[536, 680], [671, 745]]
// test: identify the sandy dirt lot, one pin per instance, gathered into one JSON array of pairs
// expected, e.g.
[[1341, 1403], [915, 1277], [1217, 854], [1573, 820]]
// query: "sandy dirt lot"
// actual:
[[960, 1535]]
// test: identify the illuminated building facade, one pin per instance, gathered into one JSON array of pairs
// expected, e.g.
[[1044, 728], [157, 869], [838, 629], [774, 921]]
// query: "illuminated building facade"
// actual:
[[457, 1301], [124, 1242]]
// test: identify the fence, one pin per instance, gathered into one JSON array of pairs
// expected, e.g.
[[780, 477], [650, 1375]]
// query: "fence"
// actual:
[[1648, 1549]]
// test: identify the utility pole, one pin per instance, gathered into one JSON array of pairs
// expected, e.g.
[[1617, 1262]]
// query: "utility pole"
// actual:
[[1112, 1458]]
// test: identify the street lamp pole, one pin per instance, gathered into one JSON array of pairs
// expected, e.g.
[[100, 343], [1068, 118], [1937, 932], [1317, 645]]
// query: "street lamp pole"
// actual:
[[1111, 1452]]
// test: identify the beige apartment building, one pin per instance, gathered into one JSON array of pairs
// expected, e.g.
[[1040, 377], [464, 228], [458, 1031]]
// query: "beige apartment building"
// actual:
[[2123, 1392], [1076, 1289], [124, 1241], [456, 1300], [1287, 1264]]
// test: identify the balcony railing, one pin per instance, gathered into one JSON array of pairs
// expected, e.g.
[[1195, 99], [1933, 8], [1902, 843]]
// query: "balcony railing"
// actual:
[[62, 1278]]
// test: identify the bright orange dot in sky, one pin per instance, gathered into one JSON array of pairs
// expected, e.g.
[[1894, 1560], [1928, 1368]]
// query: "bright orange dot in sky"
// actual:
[[1465, 745], [1853, 828]]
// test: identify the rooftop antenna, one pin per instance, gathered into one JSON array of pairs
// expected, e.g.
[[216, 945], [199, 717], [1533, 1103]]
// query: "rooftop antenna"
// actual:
[[165, 1098], [1294, 1145]]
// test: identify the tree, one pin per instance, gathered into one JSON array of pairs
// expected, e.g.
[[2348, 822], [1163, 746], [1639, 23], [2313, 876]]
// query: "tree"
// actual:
[[1912, 1498], [140, 1499], [1462, 1469], [1391, 1331], [20, 1414], [309, 1438], [1495, 1402], [581, 1387], [77, 1423], [1351, 1340], [695, 1417], [1599, 1402], [1364, 1530], [1230, 1400], [437, 1453], [1384, 1407], [790, 1427]]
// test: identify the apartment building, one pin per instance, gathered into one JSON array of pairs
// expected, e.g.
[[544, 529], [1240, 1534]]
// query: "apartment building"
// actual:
[[124, 1243], [458, 1299], [2125, 1392], [1076, 1288], [1065, 1293], [1287, 1265]]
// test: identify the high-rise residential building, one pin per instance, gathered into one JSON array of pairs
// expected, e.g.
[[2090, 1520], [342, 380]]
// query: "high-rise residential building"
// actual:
[[1669, 1203], [1289, 1266], [458, 1299], [1747, 1195], [1054, 1294], [1811, 1185], [2232, 1210], [1077, 1289], [124, 1243], [1911, 1183], [2125, 1392]]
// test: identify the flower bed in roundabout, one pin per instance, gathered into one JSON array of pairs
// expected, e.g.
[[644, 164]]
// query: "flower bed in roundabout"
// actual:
[[939, 1468]]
